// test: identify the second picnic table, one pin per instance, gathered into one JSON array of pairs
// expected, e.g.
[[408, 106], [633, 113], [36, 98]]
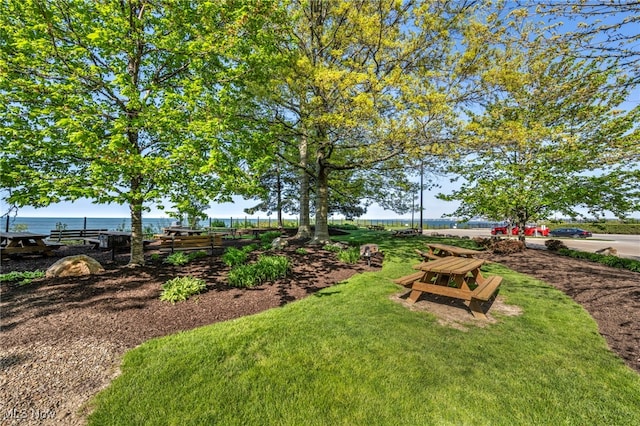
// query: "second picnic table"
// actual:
[[15, 243], [443, 250]]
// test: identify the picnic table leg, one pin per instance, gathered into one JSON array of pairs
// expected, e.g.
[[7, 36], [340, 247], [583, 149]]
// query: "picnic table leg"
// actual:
[[414, 296], [476, 309]]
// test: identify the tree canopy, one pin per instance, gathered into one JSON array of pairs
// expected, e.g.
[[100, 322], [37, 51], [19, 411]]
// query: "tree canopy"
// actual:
[[127, 102], [548, 138]]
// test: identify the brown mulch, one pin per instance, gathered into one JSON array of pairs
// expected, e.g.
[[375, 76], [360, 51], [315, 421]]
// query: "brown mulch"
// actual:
[[63, 338]]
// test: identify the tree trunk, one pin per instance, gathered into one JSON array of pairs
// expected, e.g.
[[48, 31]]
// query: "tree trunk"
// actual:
[[321, 235], [279, 198], [304, 227], [137, 237]]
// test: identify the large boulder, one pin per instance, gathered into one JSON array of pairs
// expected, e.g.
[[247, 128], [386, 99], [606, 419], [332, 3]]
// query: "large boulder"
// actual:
[[74, 266]]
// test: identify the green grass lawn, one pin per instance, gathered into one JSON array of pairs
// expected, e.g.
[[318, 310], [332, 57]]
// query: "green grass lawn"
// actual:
[[349, 355]]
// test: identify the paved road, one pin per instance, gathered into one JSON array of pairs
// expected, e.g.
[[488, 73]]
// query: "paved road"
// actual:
[[626, 245]]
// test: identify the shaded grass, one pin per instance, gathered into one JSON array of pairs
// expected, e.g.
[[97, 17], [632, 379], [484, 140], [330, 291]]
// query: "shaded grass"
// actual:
[[350, 355]]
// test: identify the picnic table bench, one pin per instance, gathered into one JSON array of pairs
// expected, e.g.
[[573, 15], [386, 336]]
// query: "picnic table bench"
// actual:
[[174, 243], [376, 227], [452, 276]]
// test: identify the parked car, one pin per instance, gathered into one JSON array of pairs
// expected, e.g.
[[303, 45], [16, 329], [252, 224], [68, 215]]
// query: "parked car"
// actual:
[[529, 230], [570, 232]]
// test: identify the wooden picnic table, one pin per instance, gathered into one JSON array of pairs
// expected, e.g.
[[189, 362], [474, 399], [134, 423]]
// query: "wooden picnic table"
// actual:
[[453, 276], [16, 243]]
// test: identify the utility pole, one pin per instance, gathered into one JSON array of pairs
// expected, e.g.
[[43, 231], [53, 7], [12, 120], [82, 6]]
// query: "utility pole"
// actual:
[[421, 191]]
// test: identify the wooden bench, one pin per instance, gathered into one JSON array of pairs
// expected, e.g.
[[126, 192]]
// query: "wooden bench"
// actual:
[[483, 293], [87, 235], [174, 243], [409, 279], [376, 227], [427, 256]]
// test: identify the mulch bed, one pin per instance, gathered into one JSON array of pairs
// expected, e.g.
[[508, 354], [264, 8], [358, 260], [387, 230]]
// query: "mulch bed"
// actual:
[[63, 338]]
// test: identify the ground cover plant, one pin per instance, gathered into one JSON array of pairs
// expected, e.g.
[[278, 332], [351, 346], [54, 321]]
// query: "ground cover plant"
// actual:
[[180, 258], [351, 354], [266, 268], [181, 288], [21, 278]]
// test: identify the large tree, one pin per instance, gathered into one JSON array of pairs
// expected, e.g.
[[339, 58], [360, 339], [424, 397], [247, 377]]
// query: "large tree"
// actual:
[[366, 81], [549, 137], [128, 102]]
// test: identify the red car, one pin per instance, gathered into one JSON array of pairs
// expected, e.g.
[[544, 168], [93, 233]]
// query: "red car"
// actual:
[[529, 231]]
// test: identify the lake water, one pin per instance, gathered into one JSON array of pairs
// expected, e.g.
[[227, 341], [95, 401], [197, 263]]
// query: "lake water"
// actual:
[[44, 225]]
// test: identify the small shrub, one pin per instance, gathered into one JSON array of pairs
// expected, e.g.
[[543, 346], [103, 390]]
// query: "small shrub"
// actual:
[[233, 256], [301, 251], [155, 257], [554, 245], [332, 247], [250, 247], [267, 268], [270, 268], [22, 278], [177, 259], [181, 288], [351, 255], [269, 236], [218, 224], [242, 276], [197, 255]]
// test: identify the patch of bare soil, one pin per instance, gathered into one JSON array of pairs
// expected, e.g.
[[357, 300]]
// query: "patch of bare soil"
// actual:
[[63, 338]]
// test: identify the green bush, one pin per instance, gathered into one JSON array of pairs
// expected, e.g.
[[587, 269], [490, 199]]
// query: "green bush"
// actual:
[[233, 256], [270, 268], [242, 276], [177, 259], [179, 289], [331, 247], [301, 250], [267, 268], [218, 224], [268, 237], [22, 278], [180, 258], [614, 261], [351, 255], [250, 247]]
